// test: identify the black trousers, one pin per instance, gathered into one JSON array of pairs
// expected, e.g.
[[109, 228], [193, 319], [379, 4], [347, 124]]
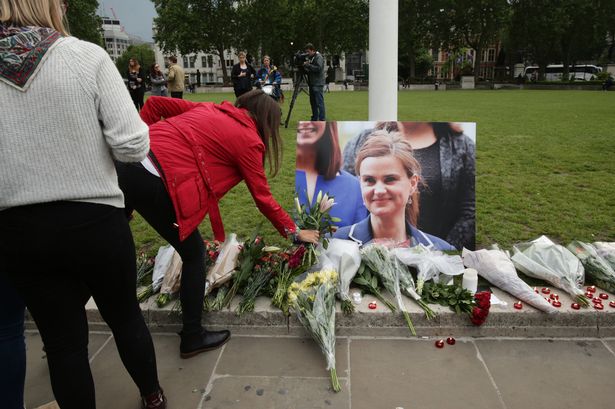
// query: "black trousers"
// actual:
[[147, 194], [55, 253]]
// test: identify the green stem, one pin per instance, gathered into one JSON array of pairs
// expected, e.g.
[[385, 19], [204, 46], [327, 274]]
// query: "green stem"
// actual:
[[409, 322], [335, 383]]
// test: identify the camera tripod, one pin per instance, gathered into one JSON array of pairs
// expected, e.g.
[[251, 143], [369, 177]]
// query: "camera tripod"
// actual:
[[300, 85]]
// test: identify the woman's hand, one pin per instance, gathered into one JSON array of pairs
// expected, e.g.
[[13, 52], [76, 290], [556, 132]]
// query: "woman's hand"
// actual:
[[308, 236]]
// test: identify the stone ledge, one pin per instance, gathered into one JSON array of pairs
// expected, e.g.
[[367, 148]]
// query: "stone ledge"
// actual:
[[503, 321]]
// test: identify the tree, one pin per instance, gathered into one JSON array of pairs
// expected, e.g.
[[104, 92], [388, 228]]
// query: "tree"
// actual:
[[83, 22], [414, 38], [192, 26], [142, 53], [476, 24], [536, 27]]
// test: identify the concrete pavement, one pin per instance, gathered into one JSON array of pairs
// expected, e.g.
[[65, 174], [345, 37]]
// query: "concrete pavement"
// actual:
[[255, 371]]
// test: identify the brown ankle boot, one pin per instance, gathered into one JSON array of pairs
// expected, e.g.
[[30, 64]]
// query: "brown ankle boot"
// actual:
[[154, 400]]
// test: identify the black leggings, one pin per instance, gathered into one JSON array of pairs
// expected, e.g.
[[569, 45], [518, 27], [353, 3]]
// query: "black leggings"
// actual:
[[54, 254], [147, 194]]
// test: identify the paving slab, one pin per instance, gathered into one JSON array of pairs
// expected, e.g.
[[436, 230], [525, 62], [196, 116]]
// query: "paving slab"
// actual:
[[184, 380], [257, 392], [415, 374], [280, 356], [38, 388], [551, 373]]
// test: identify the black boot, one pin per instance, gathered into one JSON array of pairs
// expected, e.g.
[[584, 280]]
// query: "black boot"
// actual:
[[155, 400], [194, 344]]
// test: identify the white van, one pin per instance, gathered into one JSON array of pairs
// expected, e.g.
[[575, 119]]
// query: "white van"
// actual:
[[553, 72]]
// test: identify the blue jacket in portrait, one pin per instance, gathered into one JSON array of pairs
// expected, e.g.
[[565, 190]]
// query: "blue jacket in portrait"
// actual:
[[345, 189], [362, 234]]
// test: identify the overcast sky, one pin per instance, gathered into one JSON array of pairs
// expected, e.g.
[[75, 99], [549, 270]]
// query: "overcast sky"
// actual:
[[136, 15]]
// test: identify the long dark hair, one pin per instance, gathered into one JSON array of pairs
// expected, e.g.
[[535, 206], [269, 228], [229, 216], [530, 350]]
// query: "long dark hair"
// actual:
[[267, 114], [328, 153]]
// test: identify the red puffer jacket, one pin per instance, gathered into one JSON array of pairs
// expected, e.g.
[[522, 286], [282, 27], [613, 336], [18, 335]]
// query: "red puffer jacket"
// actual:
[[202, 150]]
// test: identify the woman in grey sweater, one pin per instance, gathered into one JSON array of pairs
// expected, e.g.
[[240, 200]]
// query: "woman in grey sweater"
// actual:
[[62, 225], [158, 81]]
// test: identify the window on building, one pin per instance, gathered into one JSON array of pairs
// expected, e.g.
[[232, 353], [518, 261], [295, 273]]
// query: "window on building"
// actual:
[[229, 63], [203, 61], [435, 55], [210, 61], [491, 55], [185, 61], [210, 77]]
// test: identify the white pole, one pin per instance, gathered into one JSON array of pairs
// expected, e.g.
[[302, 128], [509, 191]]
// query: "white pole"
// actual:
[[383, 26]]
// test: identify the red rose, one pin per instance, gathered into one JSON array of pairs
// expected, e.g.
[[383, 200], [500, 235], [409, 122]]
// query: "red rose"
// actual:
[[483, 300]]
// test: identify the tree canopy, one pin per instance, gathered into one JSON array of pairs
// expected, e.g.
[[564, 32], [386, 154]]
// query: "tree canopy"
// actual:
[[83, 22]]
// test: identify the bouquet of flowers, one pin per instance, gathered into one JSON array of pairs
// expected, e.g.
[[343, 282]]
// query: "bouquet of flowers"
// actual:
[[261, 274], [429, 263], [597, 268], [380, 261], [313, 300], [543, 259], [367, 280], [606, 250], [162, 263], [316, 217], [214, 301], [480, 311], [220, 261], [251, 251], [145, 265], [496, 267], [291, 267], [343, 256], [171, 281]]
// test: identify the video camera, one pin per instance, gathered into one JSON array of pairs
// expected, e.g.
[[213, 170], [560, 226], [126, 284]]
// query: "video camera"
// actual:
[[300, 58]]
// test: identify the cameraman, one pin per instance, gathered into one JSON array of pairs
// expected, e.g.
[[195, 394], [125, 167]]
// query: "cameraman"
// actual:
[[314, 66]]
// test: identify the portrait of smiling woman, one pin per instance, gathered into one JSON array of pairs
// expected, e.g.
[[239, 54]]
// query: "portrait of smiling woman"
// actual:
[[389, 176]]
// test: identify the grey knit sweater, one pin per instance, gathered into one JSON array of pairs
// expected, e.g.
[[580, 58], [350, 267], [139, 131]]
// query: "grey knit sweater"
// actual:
[[61, 131]]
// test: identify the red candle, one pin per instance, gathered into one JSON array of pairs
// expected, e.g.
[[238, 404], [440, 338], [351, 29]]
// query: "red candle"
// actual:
[[450, 341], [612, 304], [518, 305], [556, 304], [575, 306], [597, 300], [372, 305], [591, 289], [604, 296], [545, 290], [440, 343], [598, 306], [589, 294]]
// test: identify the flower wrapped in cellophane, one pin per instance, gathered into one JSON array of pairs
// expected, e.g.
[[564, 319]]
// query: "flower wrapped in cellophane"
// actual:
[[597, 269], [545, 260], [496, 267], [287, 270], [313, 300], [251, 251], [316, 217], [606, 250], [344, 256], [429, 263], [220, 260], [394, 276]]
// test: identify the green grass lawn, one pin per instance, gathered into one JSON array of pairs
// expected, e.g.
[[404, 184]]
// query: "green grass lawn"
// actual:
[[545, 162]]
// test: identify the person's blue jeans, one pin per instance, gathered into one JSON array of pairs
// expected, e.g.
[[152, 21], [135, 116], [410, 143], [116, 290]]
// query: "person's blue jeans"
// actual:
[[317, 102], [12, 348]]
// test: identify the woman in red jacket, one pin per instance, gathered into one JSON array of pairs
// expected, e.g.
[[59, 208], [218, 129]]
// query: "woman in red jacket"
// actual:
[[198, 153]]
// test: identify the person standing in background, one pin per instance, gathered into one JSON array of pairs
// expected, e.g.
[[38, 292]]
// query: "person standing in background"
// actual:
[[176, 78], [158, 80], [242, 75], [136, 83], [315, 67]]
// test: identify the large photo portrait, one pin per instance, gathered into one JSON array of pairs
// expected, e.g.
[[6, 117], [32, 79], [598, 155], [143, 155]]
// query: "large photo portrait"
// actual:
[[402, 182]]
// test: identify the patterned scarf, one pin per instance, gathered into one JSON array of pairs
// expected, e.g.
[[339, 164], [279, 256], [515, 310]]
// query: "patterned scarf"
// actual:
[[22, 49]]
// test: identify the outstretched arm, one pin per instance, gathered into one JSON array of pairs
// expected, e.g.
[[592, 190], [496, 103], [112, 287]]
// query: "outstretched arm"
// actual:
[[156, 108]]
